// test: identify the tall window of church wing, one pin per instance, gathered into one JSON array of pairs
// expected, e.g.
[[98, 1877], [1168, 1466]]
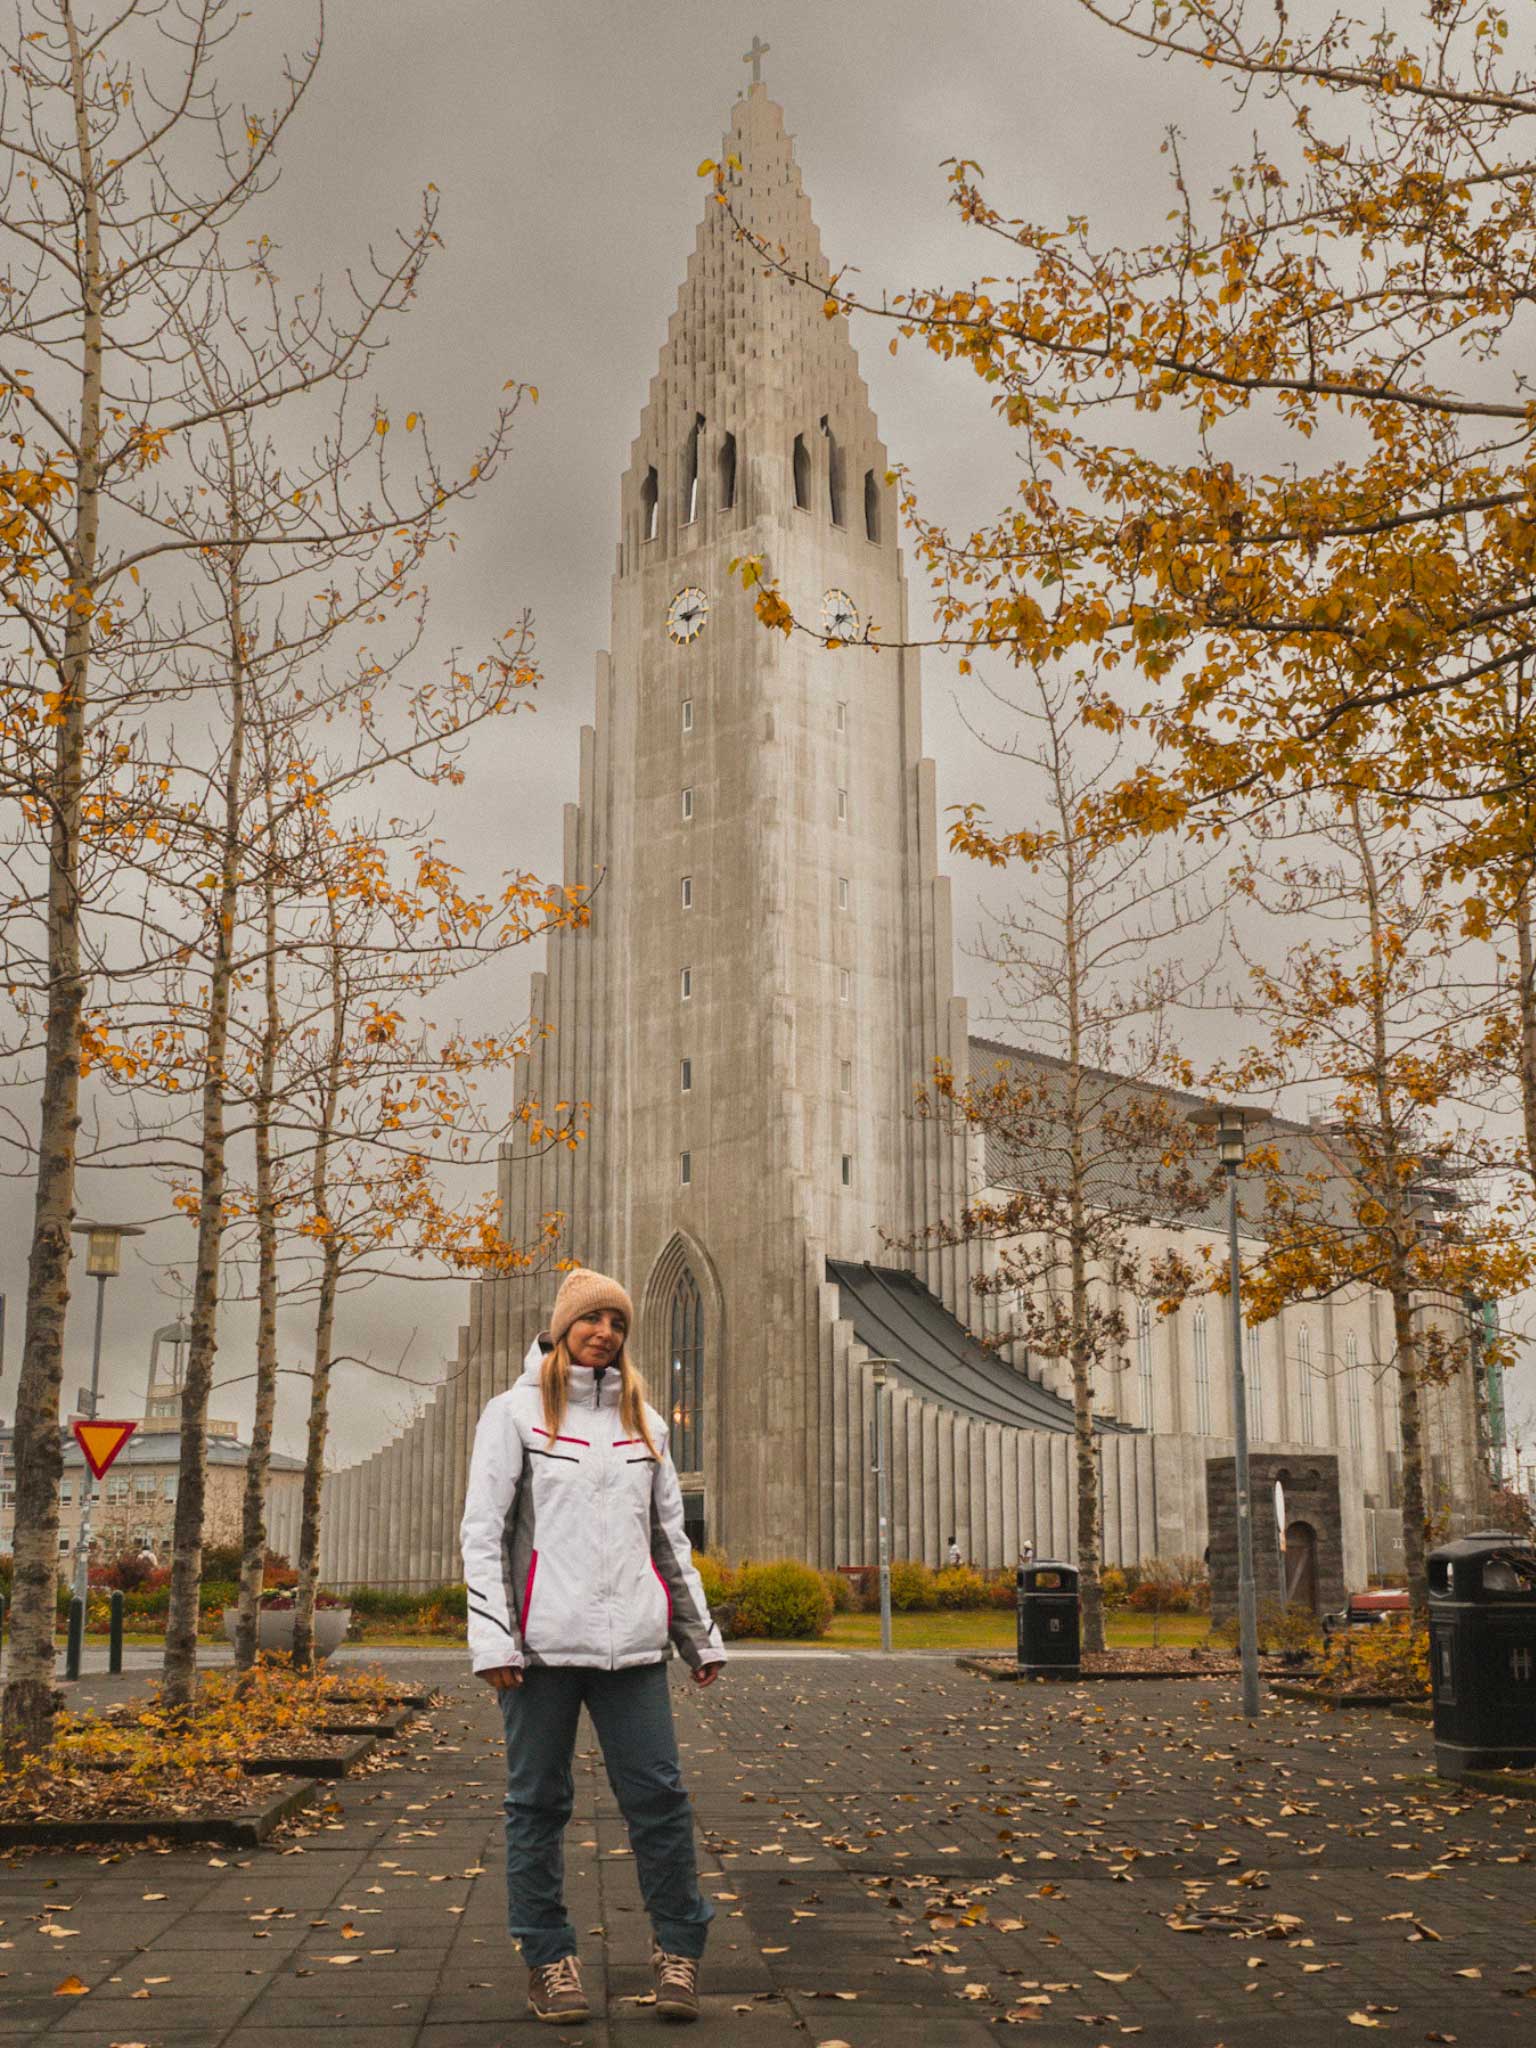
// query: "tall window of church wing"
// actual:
[[691, 470], [1144, 1362], [1255, 1381], [1304, 1385], [1202, 1337], [650, 493], [686, 1359], [1352, 1387], [727, 477], [834, 473], [802, 468]]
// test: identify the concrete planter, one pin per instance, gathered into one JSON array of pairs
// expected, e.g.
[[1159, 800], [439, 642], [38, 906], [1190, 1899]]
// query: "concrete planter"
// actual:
[[274, 1627]]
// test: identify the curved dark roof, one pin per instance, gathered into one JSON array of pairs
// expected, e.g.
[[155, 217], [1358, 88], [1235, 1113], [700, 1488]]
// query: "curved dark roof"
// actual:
[[896, 1316]]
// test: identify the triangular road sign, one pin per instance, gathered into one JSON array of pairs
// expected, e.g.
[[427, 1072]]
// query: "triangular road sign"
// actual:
[[101, 1442]]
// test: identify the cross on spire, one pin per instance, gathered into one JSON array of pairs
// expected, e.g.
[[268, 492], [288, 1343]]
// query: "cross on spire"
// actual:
[[755, 56]]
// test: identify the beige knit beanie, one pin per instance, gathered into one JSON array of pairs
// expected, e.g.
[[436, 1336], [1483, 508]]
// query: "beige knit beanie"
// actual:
[[582, 1291]]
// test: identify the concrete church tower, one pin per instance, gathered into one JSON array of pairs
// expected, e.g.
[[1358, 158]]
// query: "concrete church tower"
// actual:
[[766, 976]]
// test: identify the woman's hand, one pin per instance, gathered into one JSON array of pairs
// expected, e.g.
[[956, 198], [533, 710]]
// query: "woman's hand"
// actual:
[[503, 1678], [706, 1674]]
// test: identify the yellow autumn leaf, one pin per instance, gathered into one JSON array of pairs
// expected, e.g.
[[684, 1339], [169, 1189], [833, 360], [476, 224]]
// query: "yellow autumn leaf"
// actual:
[[70, 1988]]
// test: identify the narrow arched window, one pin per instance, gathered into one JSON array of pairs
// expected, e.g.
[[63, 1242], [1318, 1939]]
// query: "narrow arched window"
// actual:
[[802, 462], [834, 473], [686, 1365], [691, 470], [1202, 1374], [727, 472], [649, 496], [871, 506]]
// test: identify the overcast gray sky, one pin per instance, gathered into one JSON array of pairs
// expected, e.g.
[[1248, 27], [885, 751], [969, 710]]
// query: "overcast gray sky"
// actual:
[[564, 140]]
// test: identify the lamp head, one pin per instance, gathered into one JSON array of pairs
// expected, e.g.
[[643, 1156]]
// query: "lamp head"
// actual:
[[1228, 1123], [104, 1246]]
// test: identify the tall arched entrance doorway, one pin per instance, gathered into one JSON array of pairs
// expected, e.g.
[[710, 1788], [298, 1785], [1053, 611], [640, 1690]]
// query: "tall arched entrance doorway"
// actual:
[[680, 1336]]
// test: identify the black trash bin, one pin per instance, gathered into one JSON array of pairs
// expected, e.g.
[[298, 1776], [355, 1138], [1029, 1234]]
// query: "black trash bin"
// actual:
[[1050, 1620], [1482, 1653]]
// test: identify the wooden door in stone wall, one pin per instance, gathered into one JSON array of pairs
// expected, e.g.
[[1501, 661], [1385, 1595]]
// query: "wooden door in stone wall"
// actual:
[[1301, 1566]]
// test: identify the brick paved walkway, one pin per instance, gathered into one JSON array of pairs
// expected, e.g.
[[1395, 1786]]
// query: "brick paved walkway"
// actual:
[[953, 1853]]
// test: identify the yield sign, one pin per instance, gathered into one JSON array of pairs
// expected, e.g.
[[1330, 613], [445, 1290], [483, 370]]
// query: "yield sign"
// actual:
[[101, 1442]]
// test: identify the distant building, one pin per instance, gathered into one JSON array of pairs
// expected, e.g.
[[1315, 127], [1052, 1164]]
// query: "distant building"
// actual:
[[136, 1502]]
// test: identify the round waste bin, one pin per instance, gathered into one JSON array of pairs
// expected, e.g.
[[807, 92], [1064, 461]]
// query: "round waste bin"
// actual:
[[1050, 1619], [1482, 1653]]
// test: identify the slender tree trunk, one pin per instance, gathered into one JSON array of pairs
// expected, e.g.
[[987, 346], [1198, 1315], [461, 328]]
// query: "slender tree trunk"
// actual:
[[314, 1462], [325, 1322], [1090, 1591], [1402, 1225], [253, 1523], [29, 1696], [1410, 1416], [1527, 1000], [179, 1668]]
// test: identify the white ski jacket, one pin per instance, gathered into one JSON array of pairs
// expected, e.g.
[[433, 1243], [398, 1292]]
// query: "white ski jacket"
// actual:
[[574, 1551]]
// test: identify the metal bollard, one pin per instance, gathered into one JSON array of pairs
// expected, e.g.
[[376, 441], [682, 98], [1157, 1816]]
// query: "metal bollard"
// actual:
[[115, 1632], [76, 1643]]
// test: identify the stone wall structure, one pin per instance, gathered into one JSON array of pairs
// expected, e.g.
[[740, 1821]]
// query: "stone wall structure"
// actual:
[[1320, 1518], [765, 982]]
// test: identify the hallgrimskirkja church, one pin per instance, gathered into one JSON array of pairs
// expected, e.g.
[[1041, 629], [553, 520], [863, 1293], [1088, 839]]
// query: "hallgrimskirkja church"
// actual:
[[765, 982]]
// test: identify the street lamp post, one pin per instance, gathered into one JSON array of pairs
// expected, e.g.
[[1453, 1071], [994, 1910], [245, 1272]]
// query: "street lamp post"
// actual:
[[879, 1370], [1229, 1122], [103, 1262]]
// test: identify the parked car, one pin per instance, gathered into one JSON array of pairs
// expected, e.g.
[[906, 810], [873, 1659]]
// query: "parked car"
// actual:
[[1364, 1610]]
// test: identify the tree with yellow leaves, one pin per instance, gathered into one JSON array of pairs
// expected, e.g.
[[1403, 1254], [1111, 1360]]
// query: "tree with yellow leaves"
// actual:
[[126, 179], [1091, 961], [1395, 1187]]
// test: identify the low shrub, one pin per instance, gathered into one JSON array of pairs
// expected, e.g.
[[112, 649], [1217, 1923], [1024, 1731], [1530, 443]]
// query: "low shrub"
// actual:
[[1113, 1589], [1283, 1626], [1387, 1657], [864, 1582], [385, 1603], [1002, 1588], [844, 1599], [781, 1599], [958, 1586], [913, 1585], [714, 1575]]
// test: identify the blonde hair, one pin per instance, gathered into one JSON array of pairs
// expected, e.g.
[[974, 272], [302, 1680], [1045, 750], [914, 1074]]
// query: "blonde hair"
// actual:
[[555, 1387]]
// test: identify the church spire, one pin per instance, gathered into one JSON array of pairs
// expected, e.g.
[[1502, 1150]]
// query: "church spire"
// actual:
[[757, 407]]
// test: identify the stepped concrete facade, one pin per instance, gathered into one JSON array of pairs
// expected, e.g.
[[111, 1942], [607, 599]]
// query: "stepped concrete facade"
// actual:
[[765, 982]]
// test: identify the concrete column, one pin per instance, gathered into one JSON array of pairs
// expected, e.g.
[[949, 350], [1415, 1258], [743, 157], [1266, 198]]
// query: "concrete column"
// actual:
[[408, 1542], [349, 1526], [1008, 1488], [993, 1495], [946, 1451], [1064, 1496], [932, 1508]]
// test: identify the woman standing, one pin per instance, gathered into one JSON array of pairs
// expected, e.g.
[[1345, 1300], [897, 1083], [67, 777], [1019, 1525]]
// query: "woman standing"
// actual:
[[580, 1582]]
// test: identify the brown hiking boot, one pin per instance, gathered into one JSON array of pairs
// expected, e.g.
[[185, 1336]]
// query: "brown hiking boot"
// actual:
[[677, 1984], [555, 1993]]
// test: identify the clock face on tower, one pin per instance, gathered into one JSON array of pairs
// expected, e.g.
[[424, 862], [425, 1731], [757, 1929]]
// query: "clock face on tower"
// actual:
[[686, 615], [839, 616]]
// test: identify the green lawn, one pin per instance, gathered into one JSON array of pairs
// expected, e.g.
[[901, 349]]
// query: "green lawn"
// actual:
[[992, 1628], [984, 1628]]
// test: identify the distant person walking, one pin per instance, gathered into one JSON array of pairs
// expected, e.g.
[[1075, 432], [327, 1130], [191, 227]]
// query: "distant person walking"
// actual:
[[954, 1555], [580, 1583]]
